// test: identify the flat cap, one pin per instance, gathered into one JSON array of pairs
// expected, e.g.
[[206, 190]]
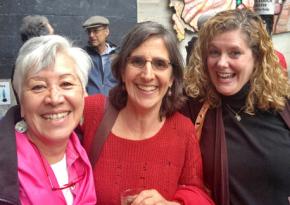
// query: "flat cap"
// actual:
[[95, 21]]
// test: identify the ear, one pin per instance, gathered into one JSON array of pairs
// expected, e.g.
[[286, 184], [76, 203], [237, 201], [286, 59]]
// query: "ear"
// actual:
[[107, 31]]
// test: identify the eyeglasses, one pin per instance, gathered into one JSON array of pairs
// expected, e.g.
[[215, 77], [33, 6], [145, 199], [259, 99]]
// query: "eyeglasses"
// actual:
[[95, 29], [156, 63], [65, 186]]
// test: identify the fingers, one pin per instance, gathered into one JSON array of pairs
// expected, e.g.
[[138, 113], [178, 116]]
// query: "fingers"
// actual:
[[149, 197]]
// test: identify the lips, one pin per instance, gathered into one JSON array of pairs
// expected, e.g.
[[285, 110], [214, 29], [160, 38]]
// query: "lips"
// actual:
[[224, 75], [147, 88], [55, 116]]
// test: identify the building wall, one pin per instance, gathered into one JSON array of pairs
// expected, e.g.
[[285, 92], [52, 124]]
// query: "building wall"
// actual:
[[66, 16]]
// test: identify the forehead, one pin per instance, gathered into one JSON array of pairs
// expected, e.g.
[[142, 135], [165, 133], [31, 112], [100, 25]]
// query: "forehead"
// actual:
[[62, 64], [152, 46], [232, 37]]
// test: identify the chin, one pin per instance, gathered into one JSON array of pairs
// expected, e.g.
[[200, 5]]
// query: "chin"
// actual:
[[227, 92]]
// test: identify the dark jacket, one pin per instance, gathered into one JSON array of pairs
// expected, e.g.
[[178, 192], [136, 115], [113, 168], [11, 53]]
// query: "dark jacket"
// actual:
[[101, 80], [9, 186], [214, 149]]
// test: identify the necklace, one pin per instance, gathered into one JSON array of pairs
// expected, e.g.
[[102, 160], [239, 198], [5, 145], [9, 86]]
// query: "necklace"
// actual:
[[236, 114]]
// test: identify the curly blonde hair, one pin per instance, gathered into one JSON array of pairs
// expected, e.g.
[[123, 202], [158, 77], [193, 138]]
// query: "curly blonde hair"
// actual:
[[269, 86]]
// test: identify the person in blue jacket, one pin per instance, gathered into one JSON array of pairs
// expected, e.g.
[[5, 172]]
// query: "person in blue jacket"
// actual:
[[101, 51]]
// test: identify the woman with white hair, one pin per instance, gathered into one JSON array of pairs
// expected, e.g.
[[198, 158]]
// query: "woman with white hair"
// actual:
[[53, 168]]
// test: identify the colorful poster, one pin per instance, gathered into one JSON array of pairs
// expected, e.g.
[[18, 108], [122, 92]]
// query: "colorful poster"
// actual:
[[187, 13]]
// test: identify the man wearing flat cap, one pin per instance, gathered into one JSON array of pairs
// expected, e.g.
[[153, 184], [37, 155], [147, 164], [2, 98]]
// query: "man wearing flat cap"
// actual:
[[101, 51]]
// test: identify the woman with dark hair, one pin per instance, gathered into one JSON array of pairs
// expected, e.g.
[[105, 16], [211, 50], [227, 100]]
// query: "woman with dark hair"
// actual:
[[151, 146], [245, 138]]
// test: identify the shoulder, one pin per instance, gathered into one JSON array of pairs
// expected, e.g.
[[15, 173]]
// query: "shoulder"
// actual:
[[191, 108], [111, 44], [75, 148], [88, 49], [181, 119], [92, 116], [281, 59], [285, 114], [93, 101], [182, 130], [182, 124], [8, 122], [94, 107], [12, 114], [113, 48]]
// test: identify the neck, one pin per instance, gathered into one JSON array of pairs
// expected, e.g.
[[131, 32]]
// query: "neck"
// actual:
[[135, 125], [102, 48], [237, 100], [52, 152]]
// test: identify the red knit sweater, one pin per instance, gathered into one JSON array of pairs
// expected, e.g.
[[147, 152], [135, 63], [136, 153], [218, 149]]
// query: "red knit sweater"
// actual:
[[163, 162]]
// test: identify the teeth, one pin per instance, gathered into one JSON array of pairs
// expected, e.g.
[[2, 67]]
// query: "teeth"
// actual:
[[225, 75], [147, 87], [56, 116]]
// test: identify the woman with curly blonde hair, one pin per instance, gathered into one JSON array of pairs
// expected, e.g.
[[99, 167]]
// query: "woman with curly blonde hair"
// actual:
[[239, 100]]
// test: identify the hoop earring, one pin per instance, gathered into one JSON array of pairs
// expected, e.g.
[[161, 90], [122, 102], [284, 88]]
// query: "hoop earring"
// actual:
[[21, 126]]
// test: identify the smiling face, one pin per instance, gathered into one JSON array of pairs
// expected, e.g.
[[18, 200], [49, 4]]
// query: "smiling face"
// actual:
[[52, 102], [147, 86], [230, 62]]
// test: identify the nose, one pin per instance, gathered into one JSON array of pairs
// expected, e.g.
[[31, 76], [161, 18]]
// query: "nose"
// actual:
[[147, 72], [223, 60], [54, 96], [90, 34]]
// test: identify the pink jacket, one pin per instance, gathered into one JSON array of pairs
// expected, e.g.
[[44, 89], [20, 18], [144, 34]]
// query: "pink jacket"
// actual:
[[35, 187]]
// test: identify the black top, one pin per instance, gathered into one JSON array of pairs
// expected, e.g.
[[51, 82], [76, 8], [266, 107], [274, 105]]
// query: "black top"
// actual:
[[9, 186], [258, 149]]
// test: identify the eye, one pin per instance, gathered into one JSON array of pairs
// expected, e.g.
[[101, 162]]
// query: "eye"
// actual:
[[213, 53], [235, 54], [67, 85], [38, 88], [137, 61], [160, 64]]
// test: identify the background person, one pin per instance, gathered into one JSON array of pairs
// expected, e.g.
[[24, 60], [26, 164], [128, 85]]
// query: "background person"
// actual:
[[275, 7], [150, 146], [53, 168], [245, 138], [190, 45], [33, 26], [101, 51]]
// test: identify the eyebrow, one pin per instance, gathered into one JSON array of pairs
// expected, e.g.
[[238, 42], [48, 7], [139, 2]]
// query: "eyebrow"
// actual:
[[43, 78], [228, 47]]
